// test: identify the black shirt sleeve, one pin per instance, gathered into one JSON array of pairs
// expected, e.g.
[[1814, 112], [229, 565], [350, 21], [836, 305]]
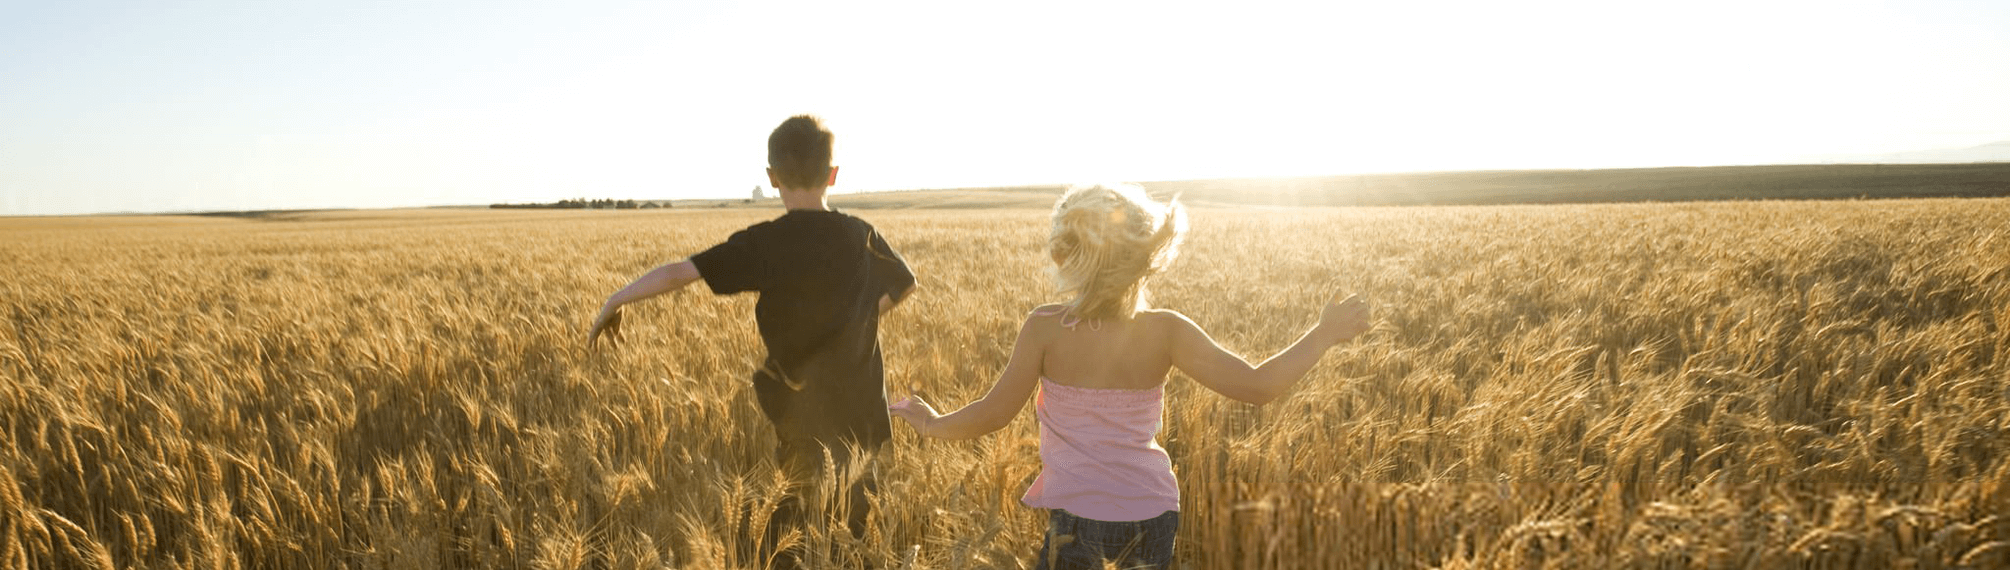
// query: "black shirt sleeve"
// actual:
[[733, 266], [889, 271]]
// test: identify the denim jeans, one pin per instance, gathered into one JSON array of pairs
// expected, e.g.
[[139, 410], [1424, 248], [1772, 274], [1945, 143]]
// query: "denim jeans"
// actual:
[[1077, 543]]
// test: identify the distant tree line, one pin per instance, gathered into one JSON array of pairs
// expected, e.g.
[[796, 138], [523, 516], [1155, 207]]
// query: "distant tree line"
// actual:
[[585, 204]]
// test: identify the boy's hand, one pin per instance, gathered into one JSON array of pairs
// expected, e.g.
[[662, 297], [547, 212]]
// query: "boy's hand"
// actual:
[[916, 411], [1344, 320], [609, 321]]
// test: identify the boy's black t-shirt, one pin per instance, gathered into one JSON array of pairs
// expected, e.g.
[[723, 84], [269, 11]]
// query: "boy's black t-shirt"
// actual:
[[820, 275]]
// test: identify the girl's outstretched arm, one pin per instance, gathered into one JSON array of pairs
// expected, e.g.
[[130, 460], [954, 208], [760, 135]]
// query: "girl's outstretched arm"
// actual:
[[1015, 385], [664, 279], [1196, 354]]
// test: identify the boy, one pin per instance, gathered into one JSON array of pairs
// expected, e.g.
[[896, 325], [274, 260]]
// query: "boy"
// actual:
[[824, 277]]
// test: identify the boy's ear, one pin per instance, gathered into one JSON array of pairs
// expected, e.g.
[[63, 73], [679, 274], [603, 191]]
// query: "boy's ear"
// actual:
[[776, 183], [834, 178]]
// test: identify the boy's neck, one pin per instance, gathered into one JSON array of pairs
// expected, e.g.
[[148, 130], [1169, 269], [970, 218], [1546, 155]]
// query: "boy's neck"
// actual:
[[804, 199]]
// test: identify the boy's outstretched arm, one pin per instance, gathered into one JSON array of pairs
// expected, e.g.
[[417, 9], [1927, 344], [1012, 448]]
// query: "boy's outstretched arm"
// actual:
[[664, 279], [1196, 354], [1015, 385]]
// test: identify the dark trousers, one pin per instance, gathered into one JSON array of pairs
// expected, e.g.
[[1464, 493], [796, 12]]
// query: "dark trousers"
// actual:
[[824, 493], [1077, 543], [819, 435]]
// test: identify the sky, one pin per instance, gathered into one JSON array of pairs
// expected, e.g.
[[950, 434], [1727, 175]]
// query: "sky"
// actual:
[[169, 106]]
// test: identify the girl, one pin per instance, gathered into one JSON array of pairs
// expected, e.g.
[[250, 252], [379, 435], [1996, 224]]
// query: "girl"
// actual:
[[1100, 362]]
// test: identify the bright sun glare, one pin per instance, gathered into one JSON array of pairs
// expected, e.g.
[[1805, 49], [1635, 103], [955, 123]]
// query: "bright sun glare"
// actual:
[[382, 106]]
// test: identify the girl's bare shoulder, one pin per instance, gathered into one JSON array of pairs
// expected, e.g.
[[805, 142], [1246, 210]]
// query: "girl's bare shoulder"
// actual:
[[1044, 318], [1164, 318], [1166, 325], [1052, 310]]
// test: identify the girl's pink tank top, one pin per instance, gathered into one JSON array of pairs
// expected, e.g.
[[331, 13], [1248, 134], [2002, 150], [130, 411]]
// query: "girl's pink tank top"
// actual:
[[1099, 453]]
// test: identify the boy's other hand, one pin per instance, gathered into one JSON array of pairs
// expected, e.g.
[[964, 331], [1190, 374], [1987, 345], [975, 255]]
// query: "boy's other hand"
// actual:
[[609, 322], [1343, 320]]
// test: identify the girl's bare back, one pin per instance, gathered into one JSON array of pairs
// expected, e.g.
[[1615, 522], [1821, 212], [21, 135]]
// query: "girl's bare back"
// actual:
[[1127, 354]]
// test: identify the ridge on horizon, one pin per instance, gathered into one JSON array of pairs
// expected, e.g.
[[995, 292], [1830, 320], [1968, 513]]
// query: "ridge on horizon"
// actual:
[[1808, 181], [1501, 187]]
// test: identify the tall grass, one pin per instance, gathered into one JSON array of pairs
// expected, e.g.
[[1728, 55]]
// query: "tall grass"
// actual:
[[1727, 385]]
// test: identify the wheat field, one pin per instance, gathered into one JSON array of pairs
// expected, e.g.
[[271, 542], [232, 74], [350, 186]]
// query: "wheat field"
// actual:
[[1702, 385]]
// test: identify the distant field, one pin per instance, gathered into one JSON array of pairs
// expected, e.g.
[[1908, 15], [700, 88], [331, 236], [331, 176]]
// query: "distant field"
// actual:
[[1818, 384], [1807, 182]]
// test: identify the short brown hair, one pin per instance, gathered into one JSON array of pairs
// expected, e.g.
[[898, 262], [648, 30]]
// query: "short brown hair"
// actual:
[[799, 152]]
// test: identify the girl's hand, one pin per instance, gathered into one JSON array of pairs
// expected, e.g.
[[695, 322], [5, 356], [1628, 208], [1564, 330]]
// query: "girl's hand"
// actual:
[[609, 321], [1344, 320], [916, 411]]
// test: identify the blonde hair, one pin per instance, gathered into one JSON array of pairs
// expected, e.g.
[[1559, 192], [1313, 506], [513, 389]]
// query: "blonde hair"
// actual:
[[1107, 240]]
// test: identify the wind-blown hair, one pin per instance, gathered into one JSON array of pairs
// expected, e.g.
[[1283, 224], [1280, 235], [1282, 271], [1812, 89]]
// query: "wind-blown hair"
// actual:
[[1108, 239]]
